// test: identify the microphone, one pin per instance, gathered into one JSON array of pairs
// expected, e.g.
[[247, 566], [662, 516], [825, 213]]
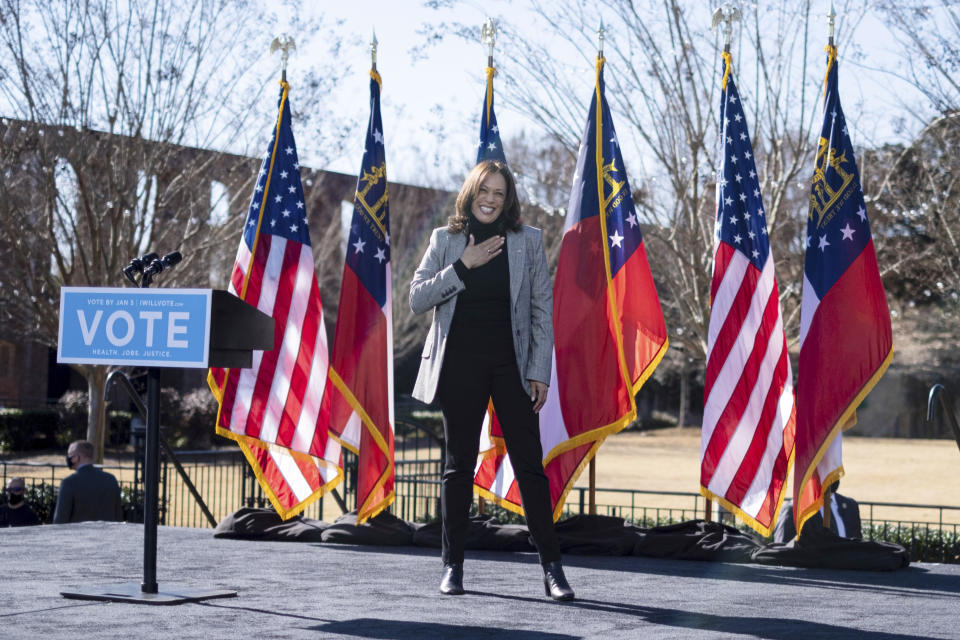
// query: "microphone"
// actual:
[[137, 265], [159, 264]]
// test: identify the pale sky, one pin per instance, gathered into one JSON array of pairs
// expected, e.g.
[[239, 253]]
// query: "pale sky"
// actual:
[[452, 75]]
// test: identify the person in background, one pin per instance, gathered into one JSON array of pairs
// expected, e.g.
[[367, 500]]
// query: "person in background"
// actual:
[[485, 278], [17, 513], [844, 518], [88, 493]]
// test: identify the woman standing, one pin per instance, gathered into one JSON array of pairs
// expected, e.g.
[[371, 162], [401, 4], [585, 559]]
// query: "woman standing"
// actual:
[[485, 277]]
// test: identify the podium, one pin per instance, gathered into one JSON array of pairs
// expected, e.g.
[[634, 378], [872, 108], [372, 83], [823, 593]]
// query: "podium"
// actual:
[[237, 330], [184, 328]]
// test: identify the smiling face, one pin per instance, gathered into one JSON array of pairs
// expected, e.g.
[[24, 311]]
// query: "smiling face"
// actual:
[[488, 202], [488, 194]]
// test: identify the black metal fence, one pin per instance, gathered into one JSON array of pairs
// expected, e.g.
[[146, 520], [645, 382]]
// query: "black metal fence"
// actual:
[[646, 508], [220, 477], [225, 482]]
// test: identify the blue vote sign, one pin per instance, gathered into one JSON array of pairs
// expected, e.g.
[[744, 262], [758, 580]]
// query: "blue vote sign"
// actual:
[[142, 327]]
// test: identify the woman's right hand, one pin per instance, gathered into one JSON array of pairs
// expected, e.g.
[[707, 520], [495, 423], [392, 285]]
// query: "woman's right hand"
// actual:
[[475, 255]]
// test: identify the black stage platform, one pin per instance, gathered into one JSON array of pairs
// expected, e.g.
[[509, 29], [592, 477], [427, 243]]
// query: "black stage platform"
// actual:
[[300, 590]]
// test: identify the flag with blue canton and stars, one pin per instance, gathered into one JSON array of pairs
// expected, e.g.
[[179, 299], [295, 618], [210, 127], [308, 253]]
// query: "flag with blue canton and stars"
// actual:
[[361, 363], [489, 147], [846, 340], [609, 331], [749, 413], [275, 410]]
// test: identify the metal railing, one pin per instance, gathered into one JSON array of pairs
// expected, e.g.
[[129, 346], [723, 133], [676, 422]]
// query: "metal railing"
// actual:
[[419, 466], [121, 378], [635, 505], [930, 532], [226, 483], [217, 475]]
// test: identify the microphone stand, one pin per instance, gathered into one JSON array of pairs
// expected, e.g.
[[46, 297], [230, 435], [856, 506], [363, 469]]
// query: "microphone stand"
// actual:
[[151, 476]]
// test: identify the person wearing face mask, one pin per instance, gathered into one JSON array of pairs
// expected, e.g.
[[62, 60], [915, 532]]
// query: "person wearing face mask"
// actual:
[[88, 493], [17, 513], [485, 277]]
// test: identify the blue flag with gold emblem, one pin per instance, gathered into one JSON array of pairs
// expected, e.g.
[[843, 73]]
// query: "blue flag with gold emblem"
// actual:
[[490, 147], [845, 334], [361, 362], [609, 332]]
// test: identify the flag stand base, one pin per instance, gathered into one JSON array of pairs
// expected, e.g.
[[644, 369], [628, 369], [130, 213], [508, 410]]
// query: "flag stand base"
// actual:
[[132, 592]]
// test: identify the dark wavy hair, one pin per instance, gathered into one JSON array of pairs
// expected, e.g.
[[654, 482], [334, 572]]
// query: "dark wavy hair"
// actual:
[[510, 216]]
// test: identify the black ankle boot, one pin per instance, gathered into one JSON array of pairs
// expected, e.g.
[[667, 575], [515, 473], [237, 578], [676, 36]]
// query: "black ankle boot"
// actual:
[[555, 583], [451, 583]]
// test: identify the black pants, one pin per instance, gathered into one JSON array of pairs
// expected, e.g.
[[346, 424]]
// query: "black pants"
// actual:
[[473, 372]]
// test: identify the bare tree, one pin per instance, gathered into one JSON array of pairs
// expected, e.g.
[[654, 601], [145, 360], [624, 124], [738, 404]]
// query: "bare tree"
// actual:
[[928, 35], [914, 193], [542, 166], [662, 77], [913, 189], [106, 103]]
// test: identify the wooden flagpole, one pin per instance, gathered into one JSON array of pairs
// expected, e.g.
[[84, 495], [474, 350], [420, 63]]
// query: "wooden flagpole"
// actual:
[[592, 505]]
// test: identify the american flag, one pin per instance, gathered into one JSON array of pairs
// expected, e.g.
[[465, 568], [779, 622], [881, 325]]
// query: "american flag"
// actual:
[[274, 410], [489, 147], [492, 446], [609, 332], [846, 342], [749, 413], [361, 366]]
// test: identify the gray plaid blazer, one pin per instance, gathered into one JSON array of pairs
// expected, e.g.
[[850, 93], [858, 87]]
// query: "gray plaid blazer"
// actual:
[[436, 284]]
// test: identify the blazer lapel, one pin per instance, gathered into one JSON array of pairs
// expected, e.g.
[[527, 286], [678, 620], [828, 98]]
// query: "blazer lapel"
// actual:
[[515, 260], [455, 246]]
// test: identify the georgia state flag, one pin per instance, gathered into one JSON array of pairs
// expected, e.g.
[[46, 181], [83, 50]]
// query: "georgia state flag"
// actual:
[[846, 342]]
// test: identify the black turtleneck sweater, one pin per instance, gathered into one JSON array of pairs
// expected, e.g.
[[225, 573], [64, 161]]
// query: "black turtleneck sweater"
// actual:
[[482, 314]]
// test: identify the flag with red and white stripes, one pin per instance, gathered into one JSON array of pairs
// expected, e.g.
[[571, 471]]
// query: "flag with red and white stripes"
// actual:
[[275, 410], [609, 332], [749, 415], [361, 363]]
